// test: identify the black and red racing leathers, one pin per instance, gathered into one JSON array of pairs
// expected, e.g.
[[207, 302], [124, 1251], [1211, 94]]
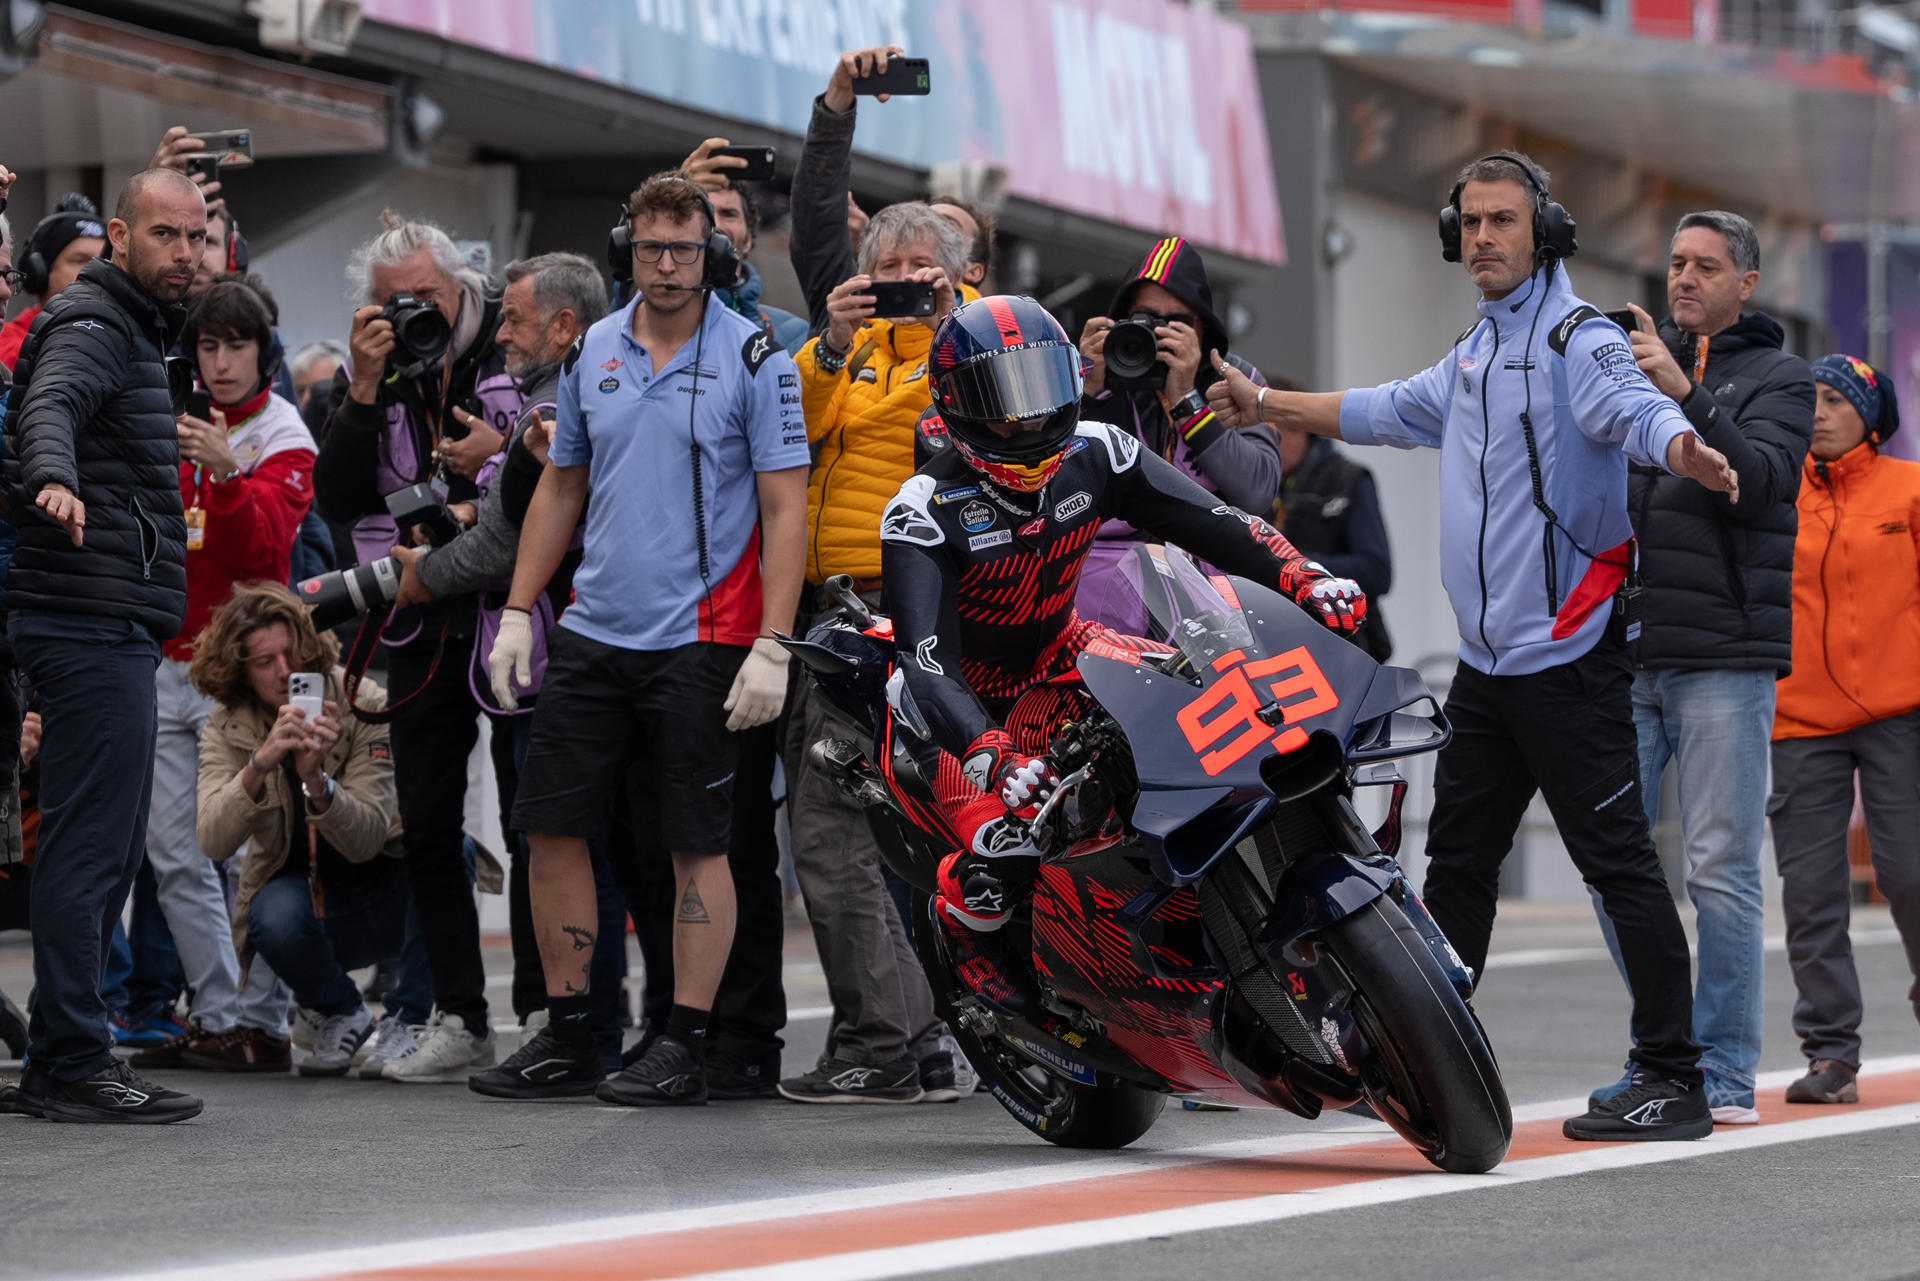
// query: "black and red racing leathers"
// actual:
[[981, 598]]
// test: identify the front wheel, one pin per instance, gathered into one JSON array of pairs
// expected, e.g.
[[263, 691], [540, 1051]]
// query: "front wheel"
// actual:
[[1431, 1074]]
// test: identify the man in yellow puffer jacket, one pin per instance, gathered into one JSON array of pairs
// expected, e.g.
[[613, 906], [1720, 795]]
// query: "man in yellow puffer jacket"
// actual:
[[864, 385]]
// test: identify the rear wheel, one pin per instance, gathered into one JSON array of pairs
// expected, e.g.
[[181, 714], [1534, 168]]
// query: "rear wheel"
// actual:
[[1068, 1113], [1431, 1074]]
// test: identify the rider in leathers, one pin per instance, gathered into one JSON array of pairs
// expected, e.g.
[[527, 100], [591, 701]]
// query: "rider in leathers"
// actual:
[[981, 552]]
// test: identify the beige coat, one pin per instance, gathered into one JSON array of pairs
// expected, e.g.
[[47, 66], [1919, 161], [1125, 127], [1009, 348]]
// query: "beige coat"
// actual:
[[362, 823]]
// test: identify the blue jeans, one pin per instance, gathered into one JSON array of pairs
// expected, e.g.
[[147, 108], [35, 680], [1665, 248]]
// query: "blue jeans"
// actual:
[[1714, 727], [143, 976], [311, 955], [94, 677]]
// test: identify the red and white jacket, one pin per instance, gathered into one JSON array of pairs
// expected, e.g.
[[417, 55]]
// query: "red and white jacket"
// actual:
[[253, 519]]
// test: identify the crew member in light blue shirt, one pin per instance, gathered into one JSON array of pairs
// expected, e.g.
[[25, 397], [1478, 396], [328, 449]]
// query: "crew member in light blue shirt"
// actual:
[[681, 420], [1535, 412]]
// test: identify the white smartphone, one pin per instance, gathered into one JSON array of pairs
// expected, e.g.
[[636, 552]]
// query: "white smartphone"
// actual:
[[308, 692]]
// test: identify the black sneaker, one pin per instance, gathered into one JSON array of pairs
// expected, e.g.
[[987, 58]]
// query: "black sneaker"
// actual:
[[544, 1067], [839, 1080], [732, 1076], [1826, 1081], [1651, 1109], [938, 1083], [113, 1095], [669, 1074]]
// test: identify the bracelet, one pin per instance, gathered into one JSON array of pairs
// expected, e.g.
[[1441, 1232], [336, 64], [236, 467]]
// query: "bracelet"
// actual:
[[828, 360], [518, 609], [1260, 404]]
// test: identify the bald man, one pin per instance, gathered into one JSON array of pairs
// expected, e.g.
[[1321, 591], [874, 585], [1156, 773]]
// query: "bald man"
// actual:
[[99, 579]]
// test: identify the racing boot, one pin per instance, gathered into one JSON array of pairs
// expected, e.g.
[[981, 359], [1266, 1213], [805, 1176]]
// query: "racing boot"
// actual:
[[973, 905]]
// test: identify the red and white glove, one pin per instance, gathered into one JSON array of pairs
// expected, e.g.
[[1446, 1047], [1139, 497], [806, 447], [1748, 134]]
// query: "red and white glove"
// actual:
[[1338, 602], [994, 764]]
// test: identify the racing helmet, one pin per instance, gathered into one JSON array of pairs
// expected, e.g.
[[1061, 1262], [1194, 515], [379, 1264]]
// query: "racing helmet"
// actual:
[[1006, 380]]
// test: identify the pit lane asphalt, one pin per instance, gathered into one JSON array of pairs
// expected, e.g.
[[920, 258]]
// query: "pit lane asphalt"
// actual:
[[283, 1165]]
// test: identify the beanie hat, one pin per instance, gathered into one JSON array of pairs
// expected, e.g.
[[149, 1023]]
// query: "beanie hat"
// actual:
[[1869, 391], [73, 218]]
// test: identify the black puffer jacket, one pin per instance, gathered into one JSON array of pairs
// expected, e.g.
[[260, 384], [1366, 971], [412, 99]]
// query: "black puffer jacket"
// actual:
[[1719, 575], [91, 410]]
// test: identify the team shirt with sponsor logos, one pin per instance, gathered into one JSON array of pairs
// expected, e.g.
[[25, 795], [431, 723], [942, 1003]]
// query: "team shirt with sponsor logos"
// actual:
[[732, 390]]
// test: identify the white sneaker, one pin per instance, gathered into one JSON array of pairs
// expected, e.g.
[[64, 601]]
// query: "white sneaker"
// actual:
[[391, 1039], [965, 1079], [448, 1053], [333, 1045], [306, 1028]]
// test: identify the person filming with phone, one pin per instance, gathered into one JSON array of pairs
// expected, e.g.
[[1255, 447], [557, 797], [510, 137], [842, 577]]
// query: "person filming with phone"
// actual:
[[284, 768]]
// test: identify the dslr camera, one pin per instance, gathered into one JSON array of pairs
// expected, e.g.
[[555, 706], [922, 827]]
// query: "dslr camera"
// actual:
[[345, 594], [421, 335], [1132, 354]]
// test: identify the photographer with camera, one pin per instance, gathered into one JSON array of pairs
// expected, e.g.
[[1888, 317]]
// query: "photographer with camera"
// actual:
[[98, 581], [1536, 412], [692, 563], [428, 402], [246, 481], [1148, 376]]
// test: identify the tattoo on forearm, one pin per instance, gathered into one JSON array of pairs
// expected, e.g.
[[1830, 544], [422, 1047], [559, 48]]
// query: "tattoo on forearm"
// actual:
[[693, 909], [582, 939]]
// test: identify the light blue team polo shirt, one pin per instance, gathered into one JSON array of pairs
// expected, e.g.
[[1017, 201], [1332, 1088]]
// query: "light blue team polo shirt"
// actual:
[[731, 390]]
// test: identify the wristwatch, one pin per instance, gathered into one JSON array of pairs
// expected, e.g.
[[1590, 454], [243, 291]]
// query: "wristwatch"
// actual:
[[326, 790], [232, 475]]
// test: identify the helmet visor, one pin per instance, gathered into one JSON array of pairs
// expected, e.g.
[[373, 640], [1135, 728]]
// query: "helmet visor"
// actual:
[[1026, 382]]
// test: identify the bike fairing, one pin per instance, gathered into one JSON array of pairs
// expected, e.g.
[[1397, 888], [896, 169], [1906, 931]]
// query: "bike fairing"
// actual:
[[1592, 412]]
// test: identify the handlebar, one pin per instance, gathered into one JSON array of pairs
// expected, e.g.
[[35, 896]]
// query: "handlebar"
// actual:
[[840, 588]]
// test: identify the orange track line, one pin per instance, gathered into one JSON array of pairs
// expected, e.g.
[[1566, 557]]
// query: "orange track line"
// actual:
[[693, 1251]]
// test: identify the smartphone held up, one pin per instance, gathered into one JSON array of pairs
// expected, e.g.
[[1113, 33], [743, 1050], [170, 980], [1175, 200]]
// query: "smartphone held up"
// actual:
[[308, 692]]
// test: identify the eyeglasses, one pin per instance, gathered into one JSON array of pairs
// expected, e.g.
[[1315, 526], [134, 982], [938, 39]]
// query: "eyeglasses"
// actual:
[[684, 252], [15, 279]]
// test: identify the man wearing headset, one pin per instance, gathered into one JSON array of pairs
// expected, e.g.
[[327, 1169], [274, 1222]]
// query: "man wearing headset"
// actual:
[[682, 419], [56, 249], [1536, 411]]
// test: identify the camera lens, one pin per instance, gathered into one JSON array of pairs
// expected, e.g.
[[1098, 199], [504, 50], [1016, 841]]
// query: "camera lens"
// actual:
[[345, 594], [1131, 351]]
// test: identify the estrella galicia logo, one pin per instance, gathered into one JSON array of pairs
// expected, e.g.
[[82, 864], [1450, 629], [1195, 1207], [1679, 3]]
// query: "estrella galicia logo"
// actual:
[[609, 384], [975, 517]]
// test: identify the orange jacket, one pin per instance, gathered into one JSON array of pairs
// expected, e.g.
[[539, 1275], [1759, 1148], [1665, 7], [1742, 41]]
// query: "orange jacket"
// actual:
[[1856, 596]]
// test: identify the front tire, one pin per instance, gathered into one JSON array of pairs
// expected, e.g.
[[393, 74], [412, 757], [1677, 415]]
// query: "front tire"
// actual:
[[1431, 1074]]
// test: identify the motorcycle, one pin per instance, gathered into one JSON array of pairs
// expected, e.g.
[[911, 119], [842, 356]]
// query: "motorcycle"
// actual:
[[1211, 919]]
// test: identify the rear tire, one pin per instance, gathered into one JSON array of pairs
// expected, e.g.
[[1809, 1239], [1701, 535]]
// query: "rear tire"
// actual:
[[1067, 1113], [1432, 1075]]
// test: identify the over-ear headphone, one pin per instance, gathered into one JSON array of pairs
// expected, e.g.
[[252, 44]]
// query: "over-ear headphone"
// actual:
[[721, 268], [1553, 226], [36, 269]]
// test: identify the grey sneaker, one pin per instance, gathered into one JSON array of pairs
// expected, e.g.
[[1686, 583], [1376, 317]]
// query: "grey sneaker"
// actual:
[[334, 1044], [448, 1054], [306, 1029], [391, 1039], [1826, 1081]]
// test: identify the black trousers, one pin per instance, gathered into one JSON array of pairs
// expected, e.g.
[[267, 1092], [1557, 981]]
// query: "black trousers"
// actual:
[[1566, 732], [432, 738], [751, 1007]]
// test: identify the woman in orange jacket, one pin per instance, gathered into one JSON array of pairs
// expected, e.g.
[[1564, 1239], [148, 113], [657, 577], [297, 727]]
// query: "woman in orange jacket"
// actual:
[[1851, 703]]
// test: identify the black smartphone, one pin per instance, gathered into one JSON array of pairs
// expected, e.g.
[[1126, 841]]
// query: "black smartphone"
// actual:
[[903, 76], [901, 298], [1624, 319], [200, 405], [759, 163]]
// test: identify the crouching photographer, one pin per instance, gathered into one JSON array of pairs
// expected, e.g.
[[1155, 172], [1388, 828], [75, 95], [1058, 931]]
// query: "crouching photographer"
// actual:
[[427, 403], [323, 891], [1149, 376]]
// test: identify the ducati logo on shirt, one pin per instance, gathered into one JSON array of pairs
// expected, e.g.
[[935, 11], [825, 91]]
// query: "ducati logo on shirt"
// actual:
[[611, 364], [975, 517]]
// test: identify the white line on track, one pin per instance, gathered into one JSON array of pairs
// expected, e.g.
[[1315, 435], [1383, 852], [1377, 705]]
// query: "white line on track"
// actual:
[[885, 1263]]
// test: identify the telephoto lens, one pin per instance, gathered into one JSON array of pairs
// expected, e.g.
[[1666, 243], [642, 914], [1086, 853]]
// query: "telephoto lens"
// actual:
[[346, 594], [1133, 354]]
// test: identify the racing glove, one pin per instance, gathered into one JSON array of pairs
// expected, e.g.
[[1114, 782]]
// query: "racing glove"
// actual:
[[1337, 602], [993, 764], [759, 687], [510, 661]]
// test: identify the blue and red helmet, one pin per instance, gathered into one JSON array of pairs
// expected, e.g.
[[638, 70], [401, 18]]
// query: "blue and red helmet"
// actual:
[[1006, 380]]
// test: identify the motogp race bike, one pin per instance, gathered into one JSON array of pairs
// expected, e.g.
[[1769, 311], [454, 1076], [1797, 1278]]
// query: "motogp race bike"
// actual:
[[1212, 919]]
